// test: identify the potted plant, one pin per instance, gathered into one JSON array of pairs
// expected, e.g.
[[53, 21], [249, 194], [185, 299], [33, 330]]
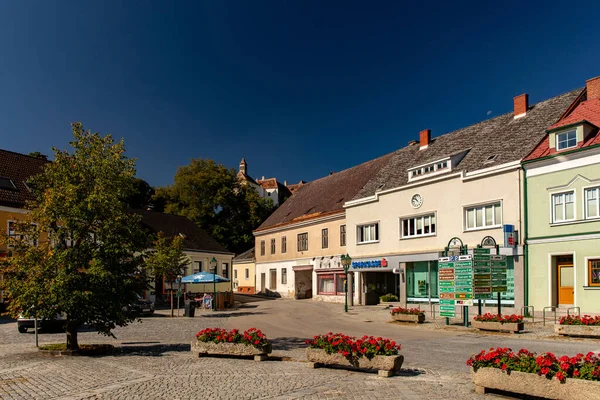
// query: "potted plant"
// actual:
[[251, 342], [498, 322], [408, 315], [546, 376], [574, 325], [367, 352], [388, 298]]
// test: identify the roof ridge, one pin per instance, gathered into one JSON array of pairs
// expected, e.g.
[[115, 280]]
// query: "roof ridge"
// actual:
[[25, 155]]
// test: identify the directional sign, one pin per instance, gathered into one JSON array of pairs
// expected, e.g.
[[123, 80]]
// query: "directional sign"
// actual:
[[481, 251]]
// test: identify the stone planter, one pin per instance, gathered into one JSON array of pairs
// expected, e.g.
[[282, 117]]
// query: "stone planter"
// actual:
[[498, 326], [416, 318], [232, 349], [578, 330], [385, 365], [534, 385]]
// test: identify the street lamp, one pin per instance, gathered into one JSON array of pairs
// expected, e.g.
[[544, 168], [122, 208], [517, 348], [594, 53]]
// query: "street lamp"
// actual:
[[346, 262], [213, 266]]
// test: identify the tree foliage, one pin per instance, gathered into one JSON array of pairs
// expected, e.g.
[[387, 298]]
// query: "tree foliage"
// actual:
[[141, 197], [166, 259], [77, 250], [210, 195]]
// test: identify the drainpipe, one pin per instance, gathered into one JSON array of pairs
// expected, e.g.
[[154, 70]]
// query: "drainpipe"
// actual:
[[525, 245]]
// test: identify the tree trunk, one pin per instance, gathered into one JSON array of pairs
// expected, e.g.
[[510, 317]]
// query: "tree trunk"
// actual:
[[72, 343]]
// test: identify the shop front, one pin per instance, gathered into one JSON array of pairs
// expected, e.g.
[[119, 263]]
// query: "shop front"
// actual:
[[375, 278]]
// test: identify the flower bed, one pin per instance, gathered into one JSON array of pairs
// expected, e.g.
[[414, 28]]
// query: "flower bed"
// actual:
[[545, 375], [498, 322], [220, 341], [408, 315], [575, 325], [367, 352]]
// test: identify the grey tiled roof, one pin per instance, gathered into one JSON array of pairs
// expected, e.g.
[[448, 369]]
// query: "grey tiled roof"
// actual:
[[248, 255], [508, 138]]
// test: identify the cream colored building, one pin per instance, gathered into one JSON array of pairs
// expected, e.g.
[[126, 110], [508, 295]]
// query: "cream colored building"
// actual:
[[466, 184], [298, 248], [244, 272]]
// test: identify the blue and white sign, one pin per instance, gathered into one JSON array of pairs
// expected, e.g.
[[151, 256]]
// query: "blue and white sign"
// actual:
[[370, 264]]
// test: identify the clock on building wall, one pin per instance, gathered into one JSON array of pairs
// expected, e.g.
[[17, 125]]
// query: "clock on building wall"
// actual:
[[416, 201]]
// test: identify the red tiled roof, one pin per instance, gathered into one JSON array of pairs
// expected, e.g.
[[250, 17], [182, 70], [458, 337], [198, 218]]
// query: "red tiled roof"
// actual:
[[18, 168], [269, 183], [588, 111]]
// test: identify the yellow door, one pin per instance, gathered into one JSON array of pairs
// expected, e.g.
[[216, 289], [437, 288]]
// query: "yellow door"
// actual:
[[565, 284]]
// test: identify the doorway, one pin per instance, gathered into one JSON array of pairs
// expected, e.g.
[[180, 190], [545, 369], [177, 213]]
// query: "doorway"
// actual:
[[262, 282], [566, 280]]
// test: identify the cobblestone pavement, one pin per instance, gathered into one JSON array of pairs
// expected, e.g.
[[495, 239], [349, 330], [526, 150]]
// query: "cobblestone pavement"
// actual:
[[154, 361]]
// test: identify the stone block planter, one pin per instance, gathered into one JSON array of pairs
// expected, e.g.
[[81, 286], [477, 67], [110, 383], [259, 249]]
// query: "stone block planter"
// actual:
[[578, 330], [385, 365], [202, 349], [416, 318], [534, 385], [498, 326]]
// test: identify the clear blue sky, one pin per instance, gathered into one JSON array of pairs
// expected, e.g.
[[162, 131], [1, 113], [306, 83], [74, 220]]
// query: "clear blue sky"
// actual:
[[299, 88]]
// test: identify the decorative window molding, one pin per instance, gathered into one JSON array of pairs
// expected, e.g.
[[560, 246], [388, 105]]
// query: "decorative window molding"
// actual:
[[367, 233], [563, 206], [485, 216], [418, 226]]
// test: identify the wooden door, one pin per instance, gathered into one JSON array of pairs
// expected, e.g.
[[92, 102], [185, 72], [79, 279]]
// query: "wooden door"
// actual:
[[566, 280]]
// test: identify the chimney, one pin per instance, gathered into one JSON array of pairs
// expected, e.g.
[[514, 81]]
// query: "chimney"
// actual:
[[425, 138], [521, 104], [285, 183], [593, 88], [243, 166], [263, 178]]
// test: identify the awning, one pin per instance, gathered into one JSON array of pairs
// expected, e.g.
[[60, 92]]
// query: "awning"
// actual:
[[302, 268], [203, 277]]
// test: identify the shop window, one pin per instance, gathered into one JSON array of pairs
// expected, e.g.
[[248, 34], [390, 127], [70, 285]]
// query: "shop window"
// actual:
[[302, 241], [342, 235], [485, 216], [424, 225], [563, 206], [594, 272], [284, 244], [262, 247], [324, 238], [272, 246], [592, 205], [367, 233], [284, 276], [331, 284]]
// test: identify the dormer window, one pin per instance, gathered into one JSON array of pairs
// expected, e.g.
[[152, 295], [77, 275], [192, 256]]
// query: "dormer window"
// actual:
[[566, 140], [429, 169]]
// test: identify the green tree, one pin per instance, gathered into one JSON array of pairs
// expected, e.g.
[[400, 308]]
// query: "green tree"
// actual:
[[141, 198], [80, 256], [166, 260], [210, 195]]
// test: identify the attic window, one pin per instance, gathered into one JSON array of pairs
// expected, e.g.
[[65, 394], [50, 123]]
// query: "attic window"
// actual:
[[428, 169], [6, 183], [566, 140], [491, 159]]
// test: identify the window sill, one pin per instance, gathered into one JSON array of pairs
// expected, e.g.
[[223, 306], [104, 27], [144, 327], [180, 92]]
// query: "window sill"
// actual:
[[591, 288], [418, 236], [372, 241], [483, 228], [574, 221]]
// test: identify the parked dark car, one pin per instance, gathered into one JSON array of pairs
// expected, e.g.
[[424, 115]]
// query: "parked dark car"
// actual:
[[140, 307]]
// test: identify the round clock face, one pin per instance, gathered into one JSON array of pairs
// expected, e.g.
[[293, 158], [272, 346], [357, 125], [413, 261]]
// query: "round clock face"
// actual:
[[416, 201]]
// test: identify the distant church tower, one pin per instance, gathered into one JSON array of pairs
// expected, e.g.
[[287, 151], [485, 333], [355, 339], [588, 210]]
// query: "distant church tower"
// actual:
[[243, 166]]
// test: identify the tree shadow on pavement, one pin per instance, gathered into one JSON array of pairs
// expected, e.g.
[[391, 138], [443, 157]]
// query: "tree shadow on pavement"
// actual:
[[151, 350], [288, 343], [232, 314]]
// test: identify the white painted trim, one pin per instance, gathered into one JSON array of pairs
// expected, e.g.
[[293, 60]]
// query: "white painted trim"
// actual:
[[572, 181], [300, 224], [14, 210], [429, 163], [564, 239], [420, 215], [561, 163], [563, 132], [584, 200], [483, 205], [551, 201], [493, 170]]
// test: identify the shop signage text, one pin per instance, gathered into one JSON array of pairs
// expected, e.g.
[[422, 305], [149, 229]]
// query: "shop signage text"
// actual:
[[370, 264]]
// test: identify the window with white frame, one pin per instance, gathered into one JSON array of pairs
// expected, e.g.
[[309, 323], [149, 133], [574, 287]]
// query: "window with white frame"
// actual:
[[592, 205], [484, 216], [367, 233], [566, 140], [563, 206], [424, 225]]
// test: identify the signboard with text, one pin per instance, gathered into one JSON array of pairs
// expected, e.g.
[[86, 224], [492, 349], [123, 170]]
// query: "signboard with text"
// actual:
[[455, 282]]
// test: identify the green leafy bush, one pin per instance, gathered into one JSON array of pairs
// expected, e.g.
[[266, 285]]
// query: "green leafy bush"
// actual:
[[388, 298]]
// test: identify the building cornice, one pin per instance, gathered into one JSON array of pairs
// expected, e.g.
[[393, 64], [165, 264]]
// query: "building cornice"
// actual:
[[336, 215], [564, 238], [562, 161], [13, 209], [464, 176]]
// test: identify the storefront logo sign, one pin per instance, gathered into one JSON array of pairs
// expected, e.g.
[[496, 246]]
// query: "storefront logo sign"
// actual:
[[370, 264]]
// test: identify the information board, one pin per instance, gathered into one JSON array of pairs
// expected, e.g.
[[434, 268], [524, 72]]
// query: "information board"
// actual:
[[455, 283]]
